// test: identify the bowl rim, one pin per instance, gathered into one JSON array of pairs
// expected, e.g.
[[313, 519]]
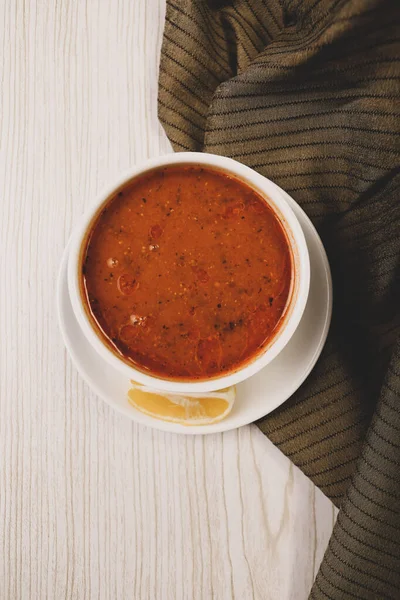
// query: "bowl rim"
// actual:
[[275, 198]]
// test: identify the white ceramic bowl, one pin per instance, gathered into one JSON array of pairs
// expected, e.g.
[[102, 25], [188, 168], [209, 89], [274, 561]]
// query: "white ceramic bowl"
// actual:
[[300, 282]]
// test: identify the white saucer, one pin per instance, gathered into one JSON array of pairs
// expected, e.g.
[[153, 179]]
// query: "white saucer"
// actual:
[[258, 395]]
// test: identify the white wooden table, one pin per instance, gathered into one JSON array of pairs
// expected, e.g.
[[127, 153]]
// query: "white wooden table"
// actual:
[[92, 506]]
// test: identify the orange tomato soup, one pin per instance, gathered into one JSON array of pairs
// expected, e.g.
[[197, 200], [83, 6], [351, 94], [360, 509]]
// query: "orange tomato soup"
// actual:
[[187, 273]]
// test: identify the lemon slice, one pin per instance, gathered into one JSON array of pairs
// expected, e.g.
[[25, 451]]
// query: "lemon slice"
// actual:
[[185, 409]]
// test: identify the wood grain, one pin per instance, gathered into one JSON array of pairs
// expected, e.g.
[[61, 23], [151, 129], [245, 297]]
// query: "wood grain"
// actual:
[[92, 506]]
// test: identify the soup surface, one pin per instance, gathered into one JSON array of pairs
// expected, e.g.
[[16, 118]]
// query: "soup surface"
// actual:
[[187, 272]]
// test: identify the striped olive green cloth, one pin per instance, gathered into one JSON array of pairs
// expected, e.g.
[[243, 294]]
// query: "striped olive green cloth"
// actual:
[[307, 93]]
